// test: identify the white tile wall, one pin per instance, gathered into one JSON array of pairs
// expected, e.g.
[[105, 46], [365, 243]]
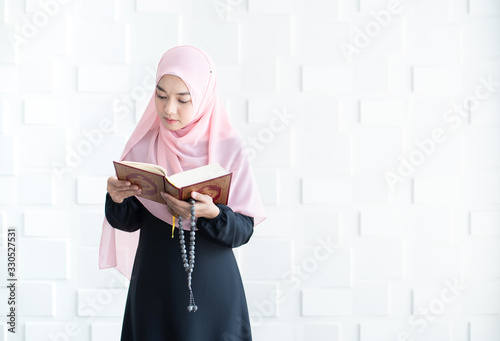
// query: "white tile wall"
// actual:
[[327, 79], [327, 302], [368, 253], [93, 43], [339, 190], [482, 298], [35, 76], [431, 263], [379, 331], [45, 111], [37, 331], [259, 74], [482, 258], [3, 117], [7, 150], [170, 6], [107, 10], [103, 78], [42, 181], [437, 190], [382, 223], [316, 331], [482, 187], [371, 298], [105, 331], [354, 259], [44, 223], [384, 112], [435, 44], [36, 262], [476, 45], [11, 73], [437, 79], [101, 302], [485, 223], [320, 41], [37, 298], [263, 299], [484, 330], [8, 195], [53, 41], [430, 227]]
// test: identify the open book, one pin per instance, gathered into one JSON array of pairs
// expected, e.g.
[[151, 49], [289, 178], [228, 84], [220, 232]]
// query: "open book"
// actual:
[[212, 180]]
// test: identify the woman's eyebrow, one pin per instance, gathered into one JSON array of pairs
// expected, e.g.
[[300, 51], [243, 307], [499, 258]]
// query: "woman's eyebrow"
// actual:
[[179, 93]]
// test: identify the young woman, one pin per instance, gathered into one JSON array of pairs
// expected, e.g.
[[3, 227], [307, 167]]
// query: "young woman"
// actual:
[[184, 126]]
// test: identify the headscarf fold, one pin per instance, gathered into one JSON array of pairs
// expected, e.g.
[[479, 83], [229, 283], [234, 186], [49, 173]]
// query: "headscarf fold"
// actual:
[[207, 138]]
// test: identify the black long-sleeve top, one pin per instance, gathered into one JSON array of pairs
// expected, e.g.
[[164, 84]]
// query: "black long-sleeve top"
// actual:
[[156, 307]]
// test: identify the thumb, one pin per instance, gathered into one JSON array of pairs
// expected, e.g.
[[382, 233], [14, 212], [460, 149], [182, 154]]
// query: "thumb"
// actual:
[[199, 196], [195, 195]]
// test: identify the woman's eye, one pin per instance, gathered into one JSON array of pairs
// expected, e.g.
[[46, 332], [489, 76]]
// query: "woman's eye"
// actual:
[[162, 97], [183, 101]]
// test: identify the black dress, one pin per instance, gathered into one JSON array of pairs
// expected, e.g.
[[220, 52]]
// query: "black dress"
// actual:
[[158, 296]]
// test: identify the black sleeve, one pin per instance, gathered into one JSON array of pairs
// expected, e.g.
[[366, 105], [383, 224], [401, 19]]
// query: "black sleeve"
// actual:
[[126, 216], [229, 229]]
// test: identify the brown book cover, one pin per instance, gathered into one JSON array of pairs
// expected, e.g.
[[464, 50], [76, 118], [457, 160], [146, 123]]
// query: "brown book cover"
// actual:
[[212, 180]]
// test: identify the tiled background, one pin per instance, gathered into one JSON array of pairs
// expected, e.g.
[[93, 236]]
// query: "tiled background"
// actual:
[[331, 97]]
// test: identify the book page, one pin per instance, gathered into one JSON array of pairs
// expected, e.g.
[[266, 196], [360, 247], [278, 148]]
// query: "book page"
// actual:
[[196, 175], [147, 167]]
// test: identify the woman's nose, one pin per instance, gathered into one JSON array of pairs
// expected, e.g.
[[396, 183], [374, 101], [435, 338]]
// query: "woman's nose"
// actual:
[[169, 107]]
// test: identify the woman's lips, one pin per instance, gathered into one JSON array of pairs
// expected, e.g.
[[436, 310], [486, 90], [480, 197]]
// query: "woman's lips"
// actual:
[[170, 121]]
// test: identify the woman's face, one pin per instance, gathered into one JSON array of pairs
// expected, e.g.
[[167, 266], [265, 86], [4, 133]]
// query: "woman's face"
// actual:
[[173, 102]]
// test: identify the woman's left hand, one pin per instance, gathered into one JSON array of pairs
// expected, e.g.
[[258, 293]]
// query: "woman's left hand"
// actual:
[[204, 206]]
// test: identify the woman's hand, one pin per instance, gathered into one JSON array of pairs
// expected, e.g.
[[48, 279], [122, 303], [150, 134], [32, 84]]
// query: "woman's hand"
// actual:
[[121, 189], [204, 206]]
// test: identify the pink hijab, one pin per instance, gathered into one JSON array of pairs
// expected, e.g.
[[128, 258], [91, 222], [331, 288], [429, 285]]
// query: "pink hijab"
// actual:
[[208, 138]]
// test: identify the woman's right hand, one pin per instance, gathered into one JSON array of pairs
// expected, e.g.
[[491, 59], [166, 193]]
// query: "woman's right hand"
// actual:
[[121, 189]]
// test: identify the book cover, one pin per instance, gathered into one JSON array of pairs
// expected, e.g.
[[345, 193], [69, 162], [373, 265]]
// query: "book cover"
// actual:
[[211, 180]]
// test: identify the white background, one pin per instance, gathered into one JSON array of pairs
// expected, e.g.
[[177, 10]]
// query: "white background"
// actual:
[[341, 255]]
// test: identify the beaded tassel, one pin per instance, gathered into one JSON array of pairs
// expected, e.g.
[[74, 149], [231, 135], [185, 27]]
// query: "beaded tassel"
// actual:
[[188, 262]]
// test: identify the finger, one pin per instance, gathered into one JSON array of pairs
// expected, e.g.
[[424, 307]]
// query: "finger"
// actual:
[[179, 207], [124, 187], [171, 200], [132, 192], [128, 188], [125, 193], [165, 197], [121, 183], [172, 212], [171, 205], [114, 181], [195, 195], [203, 198], [124, 183]]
